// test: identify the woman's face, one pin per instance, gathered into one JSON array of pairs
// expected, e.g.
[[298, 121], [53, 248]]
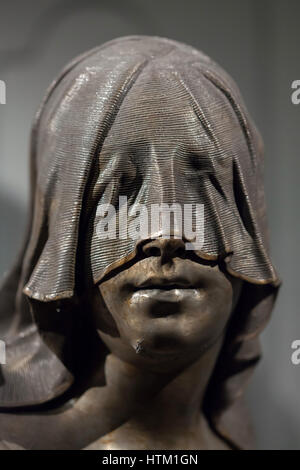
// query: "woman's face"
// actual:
[[167, 308]]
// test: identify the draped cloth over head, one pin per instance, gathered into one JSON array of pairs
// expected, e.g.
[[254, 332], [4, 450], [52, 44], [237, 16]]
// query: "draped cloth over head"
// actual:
[[159, 122]]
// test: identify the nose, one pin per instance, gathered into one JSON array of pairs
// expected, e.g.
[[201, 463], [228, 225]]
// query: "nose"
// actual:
[[165, 248]]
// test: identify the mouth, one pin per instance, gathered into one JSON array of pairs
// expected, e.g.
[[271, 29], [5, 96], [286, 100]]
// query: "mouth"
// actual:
[[166, 291], [164, 284]]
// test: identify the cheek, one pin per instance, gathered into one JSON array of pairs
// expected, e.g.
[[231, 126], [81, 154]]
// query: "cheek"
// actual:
[[116, 302], [218, 307], [220, 296]]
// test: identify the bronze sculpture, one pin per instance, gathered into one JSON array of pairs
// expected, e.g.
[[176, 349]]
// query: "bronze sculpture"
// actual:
[[137, 344]]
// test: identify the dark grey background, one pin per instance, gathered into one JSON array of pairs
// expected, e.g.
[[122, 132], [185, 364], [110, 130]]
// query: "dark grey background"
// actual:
[[257, 43]]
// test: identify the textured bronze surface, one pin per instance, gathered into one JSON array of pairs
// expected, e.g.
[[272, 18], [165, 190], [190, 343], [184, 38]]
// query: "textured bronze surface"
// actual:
[[159, 122]]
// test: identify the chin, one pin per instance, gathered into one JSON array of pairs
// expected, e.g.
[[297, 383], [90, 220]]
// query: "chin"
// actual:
[[165, 343]]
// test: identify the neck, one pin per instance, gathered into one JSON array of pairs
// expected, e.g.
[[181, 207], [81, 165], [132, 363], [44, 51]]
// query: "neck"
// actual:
[[180, 401], [157, 405]]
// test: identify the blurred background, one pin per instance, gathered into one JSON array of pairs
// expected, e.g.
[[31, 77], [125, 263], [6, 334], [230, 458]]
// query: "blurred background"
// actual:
[[258, 43]]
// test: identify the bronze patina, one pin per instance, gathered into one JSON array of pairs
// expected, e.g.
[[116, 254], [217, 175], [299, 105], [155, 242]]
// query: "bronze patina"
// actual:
[[137, 343]]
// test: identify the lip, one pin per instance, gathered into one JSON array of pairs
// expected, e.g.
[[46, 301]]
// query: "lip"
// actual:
[[166, 296], [163, 283]]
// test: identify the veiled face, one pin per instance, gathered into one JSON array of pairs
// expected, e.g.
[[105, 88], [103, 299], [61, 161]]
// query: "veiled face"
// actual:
[[158, 150], [168, 306]]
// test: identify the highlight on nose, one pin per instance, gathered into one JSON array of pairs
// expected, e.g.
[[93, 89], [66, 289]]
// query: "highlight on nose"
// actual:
[[165, 248]]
